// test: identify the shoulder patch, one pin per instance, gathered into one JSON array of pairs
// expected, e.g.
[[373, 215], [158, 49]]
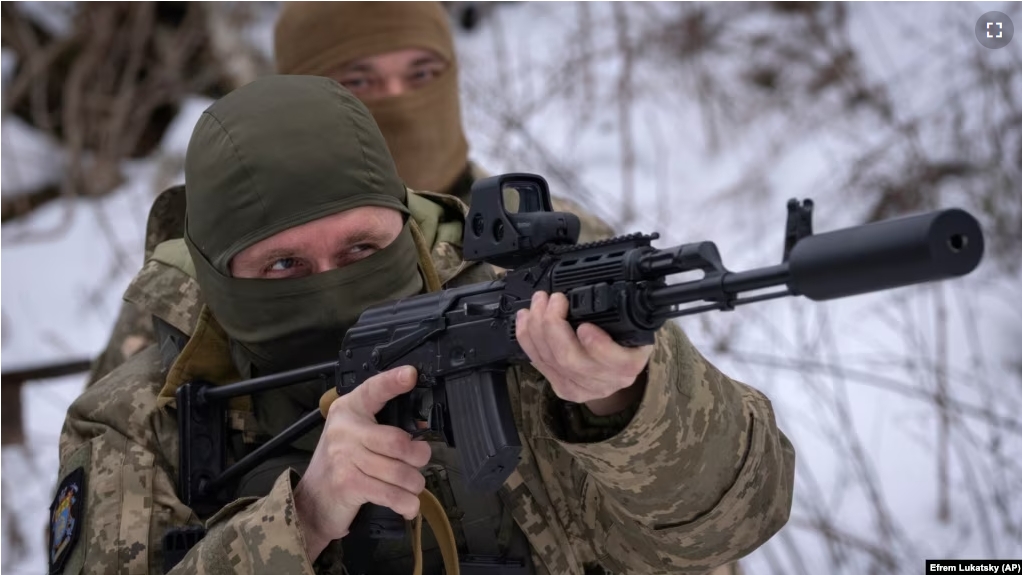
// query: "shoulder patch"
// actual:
[[66, 518]]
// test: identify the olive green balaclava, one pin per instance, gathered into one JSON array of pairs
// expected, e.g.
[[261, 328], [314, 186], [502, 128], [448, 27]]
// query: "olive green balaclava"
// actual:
[[422, 127], [278, 153]]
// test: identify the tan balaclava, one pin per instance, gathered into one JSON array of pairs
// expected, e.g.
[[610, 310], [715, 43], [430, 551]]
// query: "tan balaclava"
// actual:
[[422, 127]]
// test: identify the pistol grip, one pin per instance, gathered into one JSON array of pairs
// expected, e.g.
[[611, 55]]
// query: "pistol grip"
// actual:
[[483, 427]]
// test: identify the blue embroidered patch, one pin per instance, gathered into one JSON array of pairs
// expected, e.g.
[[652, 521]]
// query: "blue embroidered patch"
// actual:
[[66, 518]]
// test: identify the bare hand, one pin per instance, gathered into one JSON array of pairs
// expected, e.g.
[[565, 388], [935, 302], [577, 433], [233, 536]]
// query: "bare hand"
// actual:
[[583, 366], [359, 461]]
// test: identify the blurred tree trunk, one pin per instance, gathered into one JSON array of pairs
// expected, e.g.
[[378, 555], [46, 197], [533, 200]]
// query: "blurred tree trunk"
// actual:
[[12, 381], [108, 88], [12, 431]]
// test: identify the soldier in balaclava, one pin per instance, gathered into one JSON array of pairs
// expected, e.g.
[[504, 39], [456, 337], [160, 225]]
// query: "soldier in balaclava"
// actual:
[[634, 460], [399, 59]]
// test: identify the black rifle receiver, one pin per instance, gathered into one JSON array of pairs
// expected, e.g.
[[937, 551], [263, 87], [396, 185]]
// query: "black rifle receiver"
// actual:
[[462, 340]]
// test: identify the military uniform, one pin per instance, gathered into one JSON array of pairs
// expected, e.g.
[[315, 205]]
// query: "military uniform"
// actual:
[[694, 475], [699, 476], [591, 493]]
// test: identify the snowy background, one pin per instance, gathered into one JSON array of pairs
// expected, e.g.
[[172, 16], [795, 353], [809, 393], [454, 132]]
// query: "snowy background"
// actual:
[[699, 122]]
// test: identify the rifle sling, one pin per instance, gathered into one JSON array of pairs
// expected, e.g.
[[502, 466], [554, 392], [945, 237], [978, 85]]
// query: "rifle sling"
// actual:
[[433, 512], [429, 273]]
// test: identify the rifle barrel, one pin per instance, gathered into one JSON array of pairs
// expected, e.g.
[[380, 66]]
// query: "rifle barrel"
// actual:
[[730, 285]]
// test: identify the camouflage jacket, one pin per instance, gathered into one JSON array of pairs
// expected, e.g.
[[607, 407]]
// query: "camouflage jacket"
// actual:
[[699, 476]]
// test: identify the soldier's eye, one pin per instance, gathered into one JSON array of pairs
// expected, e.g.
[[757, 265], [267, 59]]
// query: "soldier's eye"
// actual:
[[356, 83], [358, 252], [286, 268], [425, 72], [283, 264]]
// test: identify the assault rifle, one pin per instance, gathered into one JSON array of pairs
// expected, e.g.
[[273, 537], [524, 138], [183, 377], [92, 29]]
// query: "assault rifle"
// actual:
[[462, 340]]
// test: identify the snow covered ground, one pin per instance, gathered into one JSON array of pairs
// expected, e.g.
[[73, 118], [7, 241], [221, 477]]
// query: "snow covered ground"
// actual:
[[853, 381]]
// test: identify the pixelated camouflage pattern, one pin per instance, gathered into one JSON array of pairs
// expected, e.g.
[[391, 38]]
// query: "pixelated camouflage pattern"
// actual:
[[617, 503], [132, 332], [253, 536], [699, 477], [133, 328], [131, 452]]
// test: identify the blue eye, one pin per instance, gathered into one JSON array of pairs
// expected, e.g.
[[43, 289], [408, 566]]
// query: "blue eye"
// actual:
[[283, 264]]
